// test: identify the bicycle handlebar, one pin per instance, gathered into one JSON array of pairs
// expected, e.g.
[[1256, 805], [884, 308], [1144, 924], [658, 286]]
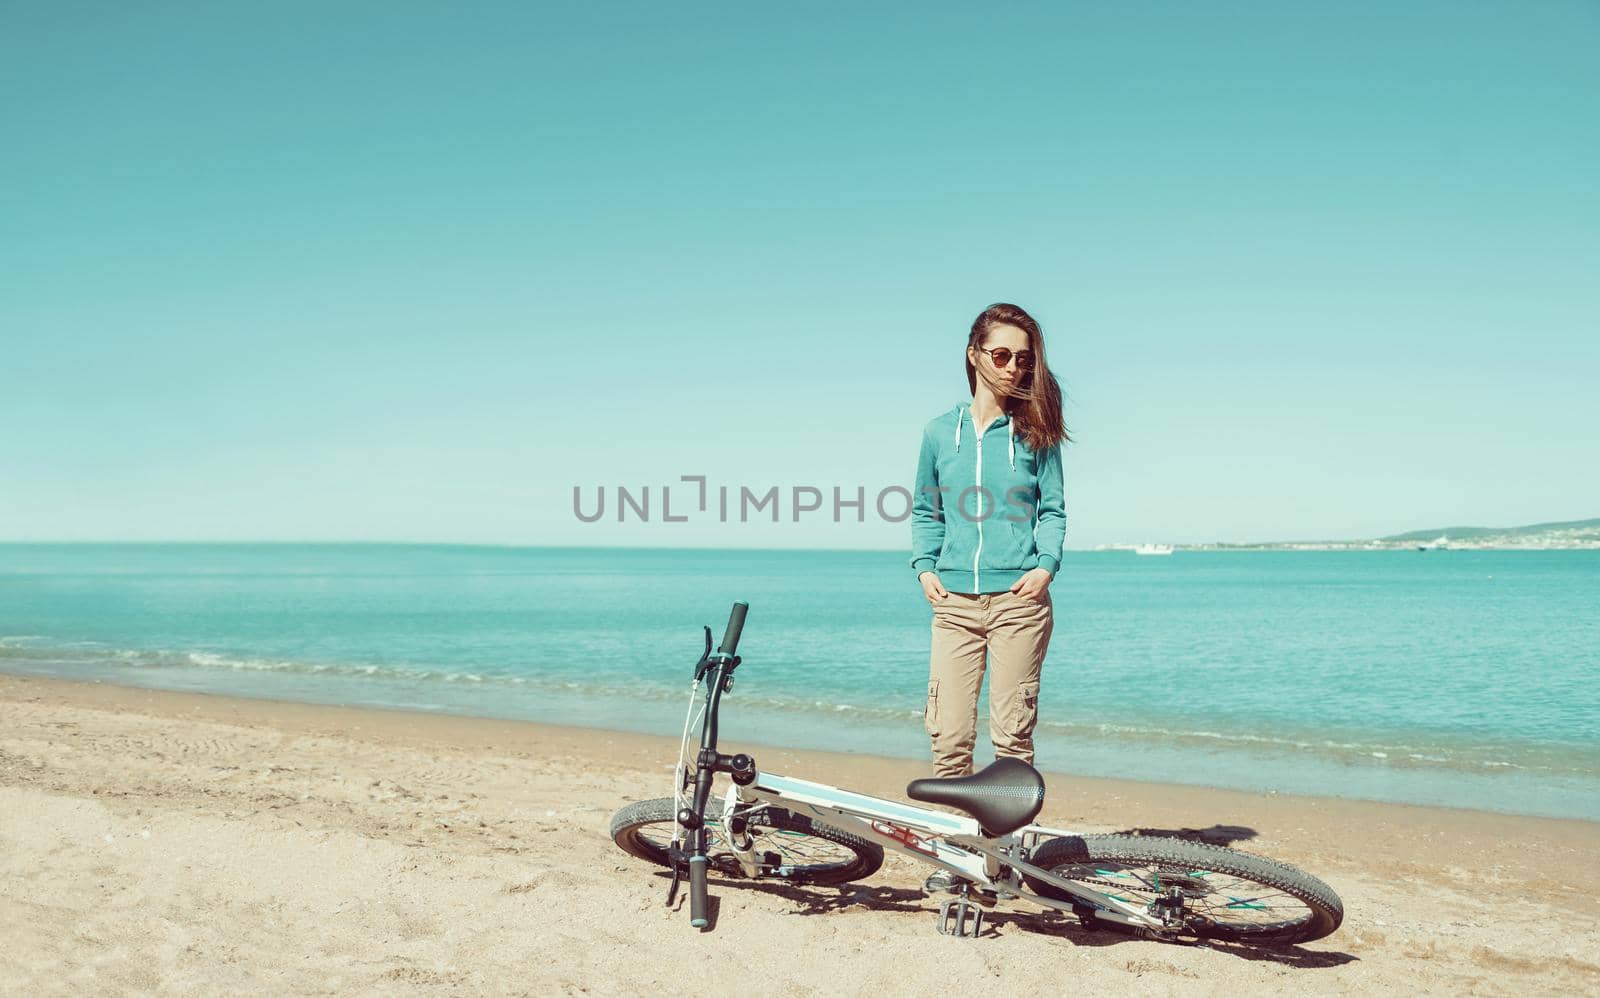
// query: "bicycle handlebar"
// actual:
[[697, 893], [730, 637], [708, 763]]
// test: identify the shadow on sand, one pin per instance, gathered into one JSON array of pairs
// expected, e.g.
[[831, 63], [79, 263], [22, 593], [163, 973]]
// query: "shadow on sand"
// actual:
[[1216, 835], [826, 900]]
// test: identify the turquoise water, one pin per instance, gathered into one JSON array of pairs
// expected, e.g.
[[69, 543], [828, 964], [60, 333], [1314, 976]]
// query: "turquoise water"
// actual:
[[1456, 677]]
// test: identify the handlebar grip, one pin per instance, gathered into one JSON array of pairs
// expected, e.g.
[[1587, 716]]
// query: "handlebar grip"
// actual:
[[730, 637], [697, 891]]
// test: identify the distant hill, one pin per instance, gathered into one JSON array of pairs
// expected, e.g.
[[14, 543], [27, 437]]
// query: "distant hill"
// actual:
[[1468, 533], [1573, 535]]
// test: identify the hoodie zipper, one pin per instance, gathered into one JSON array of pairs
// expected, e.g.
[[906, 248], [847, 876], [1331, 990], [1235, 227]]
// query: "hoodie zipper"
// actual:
[[979, 552]]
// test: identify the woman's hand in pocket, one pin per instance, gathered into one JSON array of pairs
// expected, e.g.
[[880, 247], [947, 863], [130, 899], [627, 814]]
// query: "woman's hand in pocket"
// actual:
[[933, 588], [1033, 584]]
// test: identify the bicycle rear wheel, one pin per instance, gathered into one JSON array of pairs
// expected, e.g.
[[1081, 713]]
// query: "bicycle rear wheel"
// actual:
[[1226, 894], [792, 847]]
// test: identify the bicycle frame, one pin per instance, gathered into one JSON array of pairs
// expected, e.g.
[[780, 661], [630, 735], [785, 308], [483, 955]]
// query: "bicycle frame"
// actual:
[[952, 841]]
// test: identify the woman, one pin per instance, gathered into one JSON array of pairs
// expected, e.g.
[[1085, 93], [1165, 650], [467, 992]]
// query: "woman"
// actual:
[[987, 525]]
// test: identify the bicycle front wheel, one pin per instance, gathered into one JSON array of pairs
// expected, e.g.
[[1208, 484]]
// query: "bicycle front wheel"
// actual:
[[1225, 894], [791, 847]]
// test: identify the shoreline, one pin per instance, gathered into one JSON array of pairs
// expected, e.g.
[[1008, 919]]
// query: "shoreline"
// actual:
[[306, 715], [191, 843], [1224, 767]]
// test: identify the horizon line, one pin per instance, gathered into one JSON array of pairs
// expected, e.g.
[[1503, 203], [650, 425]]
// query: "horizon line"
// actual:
[[1108, 548]]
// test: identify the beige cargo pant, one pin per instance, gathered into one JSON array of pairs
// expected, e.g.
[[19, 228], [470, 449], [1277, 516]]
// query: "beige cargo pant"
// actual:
[[1011, 632]]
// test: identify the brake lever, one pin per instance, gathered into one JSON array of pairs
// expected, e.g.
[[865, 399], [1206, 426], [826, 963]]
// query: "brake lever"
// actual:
[[677, 875], [701, 666]]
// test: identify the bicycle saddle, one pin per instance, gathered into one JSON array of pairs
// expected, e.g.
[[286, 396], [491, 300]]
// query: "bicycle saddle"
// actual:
[[1004, 796]]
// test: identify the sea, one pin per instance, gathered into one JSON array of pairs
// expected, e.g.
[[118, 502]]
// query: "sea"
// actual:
[[1458, 678]]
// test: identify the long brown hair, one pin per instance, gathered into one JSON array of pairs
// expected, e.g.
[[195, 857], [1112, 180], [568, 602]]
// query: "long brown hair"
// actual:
[[1035, 401]]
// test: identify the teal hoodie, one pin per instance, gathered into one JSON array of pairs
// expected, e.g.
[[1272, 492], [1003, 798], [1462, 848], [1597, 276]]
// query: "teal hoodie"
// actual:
[[985, 509]]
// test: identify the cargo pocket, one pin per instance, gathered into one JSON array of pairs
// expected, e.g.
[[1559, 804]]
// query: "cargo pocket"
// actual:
[[930, 712], [1027, 709]]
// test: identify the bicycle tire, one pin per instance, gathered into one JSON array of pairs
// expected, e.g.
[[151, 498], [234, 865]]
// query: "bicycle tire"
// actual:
[[797, 849], [1134, 865]]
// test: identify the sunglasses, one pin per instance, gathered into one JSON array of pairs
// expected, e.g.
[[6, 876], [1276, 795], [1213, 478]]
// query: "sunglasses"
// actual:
[[1002, 357]]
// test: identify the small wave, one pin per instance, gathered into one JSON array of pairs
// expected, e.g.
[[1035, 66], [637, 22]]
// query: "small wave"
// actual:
[[1247, 739], [1465, 757], [68, 658], [70, 653]]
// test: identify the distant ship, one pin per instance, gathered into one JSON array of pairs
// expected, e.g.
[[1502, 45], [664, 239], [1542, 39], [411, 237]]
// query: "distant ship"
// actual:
[[1440, 543], [1152, 549]]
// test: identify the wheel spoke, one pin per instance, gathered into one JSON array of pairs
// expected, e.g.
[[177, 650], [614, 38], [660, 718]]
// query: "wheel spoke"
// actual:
[[784, 845], [1220, 899], [805, 850], [1219, 893]]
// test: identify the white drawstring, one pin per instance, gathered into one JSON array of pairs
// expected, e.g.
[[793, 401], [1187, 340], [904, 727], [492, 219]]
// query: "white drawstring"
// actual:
[[958, 429], [1011, 443]]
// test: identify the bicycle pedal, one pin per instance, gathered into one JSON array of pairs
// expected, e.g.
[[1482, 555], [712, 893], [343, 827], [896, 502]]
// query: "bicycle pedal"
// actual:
[[960, 918]]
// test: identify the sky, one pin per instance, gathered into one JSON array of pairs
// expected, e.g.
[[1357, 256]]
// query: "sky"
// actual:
[[418, 272]]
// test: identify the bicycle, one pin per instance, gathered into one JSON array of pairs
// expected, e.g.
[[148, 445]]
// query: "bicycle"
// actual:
[[780, 828]]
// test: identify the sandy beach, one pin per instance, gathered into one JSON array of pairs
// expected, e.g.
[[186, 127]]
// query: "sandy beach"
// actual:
[[155, 842]]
